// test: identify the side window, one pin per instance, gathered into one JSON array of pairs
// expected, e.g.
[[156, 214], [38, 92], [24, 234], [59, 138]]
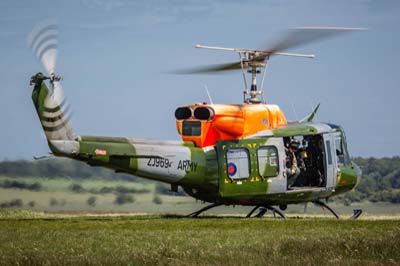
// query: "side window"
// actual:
[[238, 163], [268, 162], [339, 150]]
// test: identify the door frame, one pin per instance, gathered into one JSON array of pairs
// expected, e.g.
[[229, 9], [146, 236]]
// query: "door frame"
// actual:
[[330, 160]]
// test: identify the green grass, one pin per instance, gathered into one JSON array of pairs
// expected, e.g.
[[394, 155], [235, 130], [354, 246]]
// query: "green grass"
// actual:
[[59, 189], [28, 238], [109, 234]]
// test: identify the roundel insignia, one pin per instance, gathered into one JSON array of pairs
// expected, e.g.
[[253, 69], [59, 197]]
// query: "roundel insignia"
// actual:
[[232, 169]]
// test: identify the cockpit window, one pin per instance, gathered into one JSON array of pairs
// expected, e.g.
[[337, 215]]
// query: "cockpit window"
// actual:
[[342, 155], [191, 128], [339, 150]]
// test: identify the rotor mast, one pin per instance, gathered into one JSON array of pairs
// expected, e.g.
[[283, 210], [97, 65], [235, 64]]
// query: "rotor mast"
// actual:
[[255, 94]]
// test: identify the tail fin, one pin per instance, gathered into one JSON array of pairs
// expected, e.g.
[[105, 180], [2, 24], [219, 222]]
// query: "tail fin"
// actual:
[[52, 112]]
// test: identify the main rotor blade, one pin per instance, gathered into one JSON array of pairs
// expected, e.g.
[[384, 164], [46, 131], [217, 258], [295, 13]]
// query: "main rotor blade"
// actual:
[[297, 37], [210, 69], [294, 38], [43, 42]]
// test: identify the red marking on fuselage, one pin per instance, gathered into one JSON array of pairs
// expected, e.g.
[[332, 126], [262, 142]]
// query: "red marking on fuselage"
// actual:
[[100, 152]]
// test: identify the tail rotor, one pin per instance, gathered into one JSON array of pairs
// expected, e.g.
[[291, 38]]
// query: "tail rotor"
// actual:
[[50, 105]]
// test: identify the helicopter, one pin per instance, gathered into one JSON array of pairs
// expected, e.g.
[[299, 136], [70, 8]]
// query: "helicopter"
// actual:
[[230, 154]]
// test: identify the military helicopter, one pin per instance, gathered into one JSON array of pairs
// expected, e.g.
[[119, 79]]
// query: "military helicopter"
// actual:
[[230, 154]]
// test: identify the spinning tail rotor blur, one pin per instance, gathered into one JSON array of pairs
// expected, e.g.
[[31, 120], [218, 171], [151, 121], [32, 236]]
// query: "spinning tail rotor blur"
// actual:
[[43, 41]]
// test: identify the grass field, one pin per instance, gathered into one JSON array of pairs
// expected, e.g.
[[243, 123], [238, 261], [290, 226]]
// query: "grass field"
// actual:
[[34, 238], [145, 233]]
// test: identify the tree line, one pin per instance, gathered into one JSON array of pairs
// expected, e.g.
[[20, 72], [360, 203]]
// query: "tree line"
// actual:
[[380, 181], [58, 167]]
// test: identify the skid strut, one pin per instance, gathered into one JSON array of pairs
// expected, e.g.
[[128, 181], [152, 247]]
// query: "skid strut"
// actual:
[[263, 211], [197, 213], [252, 211], [321, 204]]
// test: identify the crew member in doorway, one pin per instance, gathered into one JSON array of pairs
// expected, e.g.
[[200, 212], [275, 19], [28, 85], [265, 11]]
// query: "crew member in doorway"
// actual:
[[292, 167]]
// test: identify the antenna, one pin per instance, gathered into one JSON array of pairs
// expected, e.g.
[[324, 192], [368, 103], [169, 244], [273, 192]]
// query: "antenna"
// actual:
[[294, 111], [208, 93], [314, 108]]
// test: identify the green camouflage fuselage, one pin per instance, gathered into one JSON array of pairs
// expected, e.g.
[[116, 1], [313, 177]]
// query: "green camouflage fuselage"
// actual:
[[203, 173]]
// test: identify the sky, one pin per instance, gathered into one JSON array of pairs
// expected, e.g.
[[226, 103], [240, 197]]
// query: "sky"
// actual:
[[115, 55]]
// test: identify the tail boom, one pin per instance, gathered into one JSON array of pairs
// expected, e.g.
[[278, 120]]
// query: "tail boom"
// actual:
[[167, 161], [173, 162]]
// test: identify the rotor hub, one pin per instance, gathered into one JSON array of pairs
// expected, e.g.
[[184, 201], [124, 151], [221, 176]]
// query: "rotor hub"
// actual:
[[54, 77]]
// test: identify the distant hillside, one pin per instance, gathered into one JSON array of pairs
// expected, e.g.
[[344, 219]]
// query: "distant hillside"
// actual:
[[58, 167], [380, 182]]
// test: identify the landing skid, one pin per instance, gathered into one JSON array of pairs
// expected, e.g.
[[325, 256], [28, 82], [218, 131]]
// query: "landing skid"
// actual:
[[197, 213], [356, 214], [264, 208], [263, 211]]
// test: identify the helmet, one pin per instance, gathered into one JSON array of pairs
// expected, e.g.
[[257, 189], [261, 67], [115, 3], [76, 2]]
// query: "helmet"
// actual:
[[294, 143]]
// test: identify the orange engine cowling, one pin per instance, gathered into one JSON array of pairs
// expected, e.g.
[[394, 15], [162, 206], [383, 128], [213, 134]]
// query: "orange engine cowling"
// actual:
[[204, 124]]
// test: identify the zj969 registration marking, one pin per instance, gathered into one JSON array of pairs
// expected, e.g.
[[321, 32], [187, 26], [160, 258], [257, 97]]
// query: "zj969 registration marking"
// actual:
[[159, 162]]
